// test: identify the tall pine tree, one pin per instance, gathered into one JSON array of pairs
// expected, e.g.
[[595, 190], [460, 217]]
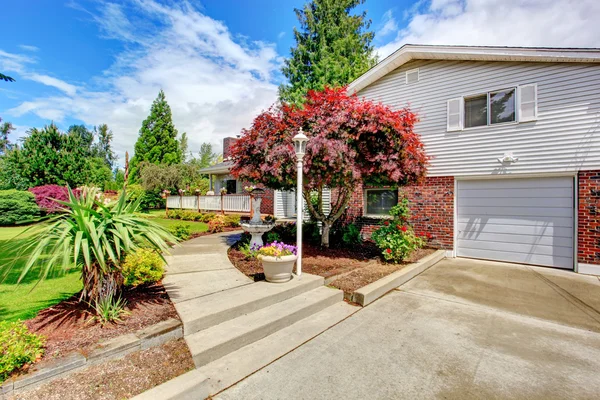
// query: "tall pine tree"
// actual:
[[333, 47], [157, 142]]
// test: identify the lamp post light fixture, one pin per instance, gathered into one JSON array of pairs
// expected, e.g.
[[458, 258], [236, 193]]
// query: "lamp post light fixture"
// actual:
[[300, 141]]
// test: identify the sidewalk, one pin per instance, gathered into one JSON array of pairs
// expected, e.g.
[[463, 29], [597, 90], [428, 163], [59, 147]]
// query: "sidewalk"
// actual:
[[200, 267]]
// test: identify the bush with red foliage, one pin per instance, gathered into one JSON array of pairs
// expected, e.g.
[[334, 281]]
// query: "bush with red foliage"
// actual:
[[46, 196]]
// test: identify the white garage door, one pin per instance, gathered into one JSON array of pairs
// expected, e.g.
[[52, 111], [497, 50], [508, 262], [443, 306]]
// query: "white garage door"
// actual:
[[517, 220]]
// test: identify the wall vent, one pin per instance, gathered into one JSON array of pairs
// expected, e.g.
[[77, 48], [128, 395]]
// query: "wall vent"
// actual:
[[412, 76]]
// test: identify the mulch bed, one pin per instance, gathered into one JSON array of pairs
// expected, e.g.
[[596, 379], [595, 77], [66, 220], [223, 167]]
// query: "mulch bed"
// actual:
[[348, 269], [68, 325], [119, 379]]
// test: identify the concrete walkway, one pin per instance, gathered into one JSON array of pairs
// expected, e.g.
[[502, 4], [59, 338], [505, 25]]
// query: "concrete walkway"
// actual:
[[200, 267], [464, 329]]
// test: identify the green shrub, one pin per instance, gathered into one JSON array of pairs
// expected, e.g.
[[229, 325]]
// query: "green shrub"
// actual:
[[232, 220], [187, 215], [271, 237], [396, 241], [18, 347], [150, 199], [142, 266], [181, 231], [217, 224], [285, 231], [311, 232], [17, 207], [351, 235], [109, 309], [174, 214], [208, 217]]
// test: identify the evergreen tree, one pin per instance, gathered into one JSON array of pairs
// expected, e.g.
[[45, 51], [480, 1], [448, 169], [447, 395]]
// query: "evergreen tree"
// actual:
[[102, 148], [207, 157], [183, 146], [333, 47], [157, 142]]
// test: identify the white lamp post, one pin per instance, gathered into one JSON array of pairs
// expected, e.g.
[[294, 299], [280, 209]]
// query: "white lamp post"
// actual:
[[300, 141]]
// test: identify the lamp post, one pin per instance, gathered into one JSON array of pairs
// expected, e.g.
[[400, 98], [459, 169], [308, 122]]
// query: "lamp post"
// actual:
[[300, 141]]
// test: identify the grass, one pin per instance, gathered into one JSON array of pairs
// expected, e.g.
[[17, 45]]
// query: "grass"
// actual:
[[158, 216], [20, 301]]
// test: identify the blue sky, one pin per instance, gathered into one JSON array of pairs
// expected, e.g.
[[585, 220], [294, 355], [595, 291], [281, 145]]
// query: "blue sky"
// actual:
[[93, 62]]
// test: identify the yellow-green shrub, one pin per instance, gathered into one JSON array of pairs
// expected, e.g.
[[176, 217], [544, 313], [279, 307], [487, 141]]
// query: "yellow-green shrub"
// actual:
[[217, 224], [142, 266], [18, 347]]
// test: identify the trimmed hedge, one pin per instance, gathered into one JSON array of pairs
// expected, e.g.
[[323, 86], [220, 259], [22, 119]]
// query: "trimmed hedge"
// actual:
[[17, 207]]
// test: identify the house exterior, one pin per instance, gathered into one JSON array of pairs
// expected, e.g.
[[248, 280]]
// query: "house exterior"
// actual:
[[514, 140]]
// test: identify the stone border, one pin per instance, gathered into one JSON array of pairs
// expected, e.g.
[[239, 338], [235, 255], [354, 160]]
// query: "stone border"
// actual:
[[111, 349], [371, 292]]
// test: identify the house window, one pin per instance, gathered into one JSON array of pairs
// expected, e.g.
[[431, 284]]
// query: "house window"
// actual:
[[380, 201], [231, 186], [490, 108]]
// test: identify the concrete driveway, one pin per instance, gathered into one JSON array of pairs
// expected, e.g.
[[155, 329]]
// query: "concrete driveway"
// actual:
[[464, 329]]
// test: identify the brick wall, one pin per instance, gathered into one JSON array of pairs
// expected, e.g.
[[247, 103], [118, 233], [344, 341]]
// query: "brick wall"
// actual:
[[588, 230], [432, 207], [227, 143], [267, 206]]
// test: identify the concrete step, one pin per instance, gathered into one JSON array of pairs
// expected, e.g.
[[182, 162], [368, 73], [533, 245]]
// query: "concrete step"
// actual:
[[203, 312], [236, 366], [217, 341]]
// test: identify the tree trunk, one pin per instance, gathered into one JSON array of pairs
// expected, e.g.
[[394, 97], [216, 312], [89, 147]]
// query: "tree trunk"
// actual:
[[325, 234], [97, 285]]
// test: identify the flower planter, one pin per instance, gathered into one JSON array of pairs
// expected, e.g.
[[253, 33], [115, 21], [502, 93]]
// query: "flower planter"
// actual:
[[278, 269]]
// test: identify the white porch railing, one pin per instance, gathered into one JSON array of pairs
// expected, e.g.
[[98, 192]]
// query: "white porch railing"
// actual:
[[228, 202]]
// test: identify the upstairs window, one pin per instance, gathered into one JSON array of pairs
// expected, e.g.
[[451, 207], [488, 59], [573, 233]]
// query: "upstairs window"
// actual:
[[490, 108]]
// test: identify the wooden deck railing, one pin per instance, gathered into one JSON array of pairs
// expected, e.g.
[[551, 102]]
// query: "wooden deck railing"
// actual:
[[227, 202]]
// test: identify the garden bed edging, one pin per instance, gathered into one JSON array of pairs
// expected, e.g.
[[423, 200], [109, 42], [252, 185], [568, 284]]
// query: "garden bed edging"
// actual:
[[111, 349], [371, 292]]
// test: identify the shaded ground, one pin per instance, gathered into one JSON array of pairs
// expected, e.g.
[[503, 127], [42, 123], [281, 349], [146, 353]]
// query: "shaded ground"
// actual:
[[347, 269], [67, 325], [463, 329], [119, 379]]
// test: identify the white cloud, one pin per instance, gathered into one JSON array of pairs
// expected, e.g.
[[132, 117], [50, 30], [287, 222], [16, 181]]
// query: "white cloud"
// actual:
[[54, 82], [388, 24], [28, 47], [214, 84], [558, 23]]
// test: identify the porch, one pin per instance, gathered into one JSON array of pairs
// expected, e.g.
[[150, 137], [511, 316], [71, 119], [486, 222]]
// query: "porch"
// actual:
[[238, 203]]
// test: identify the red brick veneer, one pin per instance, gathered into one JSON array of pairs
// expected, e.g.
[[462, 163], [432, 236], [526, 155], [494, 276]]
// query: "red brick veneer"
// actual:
[[588, 229]]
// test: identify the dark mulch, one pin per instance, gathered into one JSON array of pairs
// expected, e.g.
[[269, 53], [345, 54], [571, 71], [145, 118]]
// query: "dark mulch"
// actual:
[[69, 325], [119, 379], [350, 268]]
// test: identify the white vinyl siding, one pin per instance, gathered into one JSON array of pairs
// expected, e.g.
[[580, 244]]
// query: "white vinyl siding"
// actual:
[[562, 138], [517, 220]]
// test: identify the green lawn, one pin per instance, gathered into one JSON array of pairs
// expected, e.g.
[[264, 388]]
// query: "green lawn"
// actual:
[[159, 217], [20, 301]]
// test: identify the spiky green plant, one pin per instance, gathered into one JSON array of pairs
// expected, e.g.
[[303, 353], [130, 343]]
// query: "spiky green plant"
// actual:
[[93, 237]]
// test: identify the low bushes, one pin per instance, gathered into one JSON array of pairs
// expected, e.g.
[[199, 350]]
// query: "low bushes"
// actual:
[[18, 347], [46, 196], [217, 224], [396, 238], [230, 220], [181, 231], [17, 207], [142, 266], [149, 199]]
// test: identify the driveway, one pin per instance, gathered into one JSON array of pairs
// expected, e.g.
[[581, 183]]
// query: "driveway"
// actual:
[[464, 329]]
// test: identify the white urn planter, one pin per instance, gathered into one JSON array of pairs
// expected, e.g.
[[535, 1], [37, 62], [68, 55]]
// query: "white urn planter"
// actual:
[[278, 269]]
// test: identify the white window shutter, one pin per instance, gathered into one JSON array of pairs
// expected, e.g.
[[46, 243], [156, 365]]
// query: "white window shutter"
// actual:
[[454, 117], [527, 103]]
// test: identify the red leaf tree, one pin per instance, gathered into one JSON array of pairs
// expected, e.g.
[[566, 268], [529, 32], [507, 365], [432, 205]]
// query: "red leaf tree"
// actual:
[[352, 141]]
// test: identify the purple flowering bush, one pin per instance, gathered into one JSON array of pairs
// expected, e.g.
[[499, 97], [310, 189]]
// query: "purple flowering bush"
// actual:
[[277, 249]]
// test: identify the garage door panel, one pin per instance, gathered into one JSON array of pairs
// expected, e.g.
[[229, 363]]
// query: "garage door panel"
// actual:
[[541, 240], [546, 229], [535, 259], [517, 220], [517, 193], [512, 247], [525, 211], [552, 202], [525, 183]]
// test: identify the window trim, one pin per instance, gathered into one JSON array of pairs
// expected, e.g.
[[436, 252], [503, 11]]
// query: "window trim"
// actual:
[[489, 116], [379, 216]]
